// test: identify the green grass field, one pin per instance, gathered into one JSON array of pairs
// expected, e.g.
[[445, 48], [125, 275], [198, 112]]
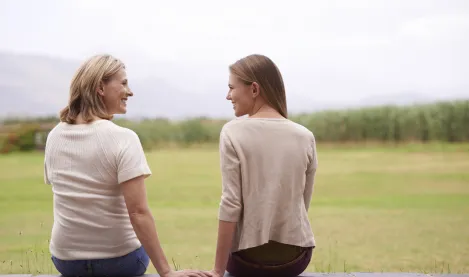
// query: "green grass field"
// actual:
[[373, 209]]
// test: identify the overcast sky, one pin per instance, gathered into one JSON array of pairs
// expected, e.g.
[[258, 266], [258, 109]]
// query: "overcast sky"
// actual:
[[333, 49]]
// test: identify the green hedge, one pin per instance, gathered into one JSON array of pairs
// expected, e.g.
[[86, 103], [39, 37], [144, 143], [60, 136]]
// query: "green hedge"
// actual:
[[443, 121], [20, 139]]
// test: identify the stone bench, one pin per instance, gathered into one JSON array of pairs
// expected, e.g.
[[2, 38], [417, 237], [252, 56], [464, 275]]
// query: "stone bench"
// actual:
[[353, 274]]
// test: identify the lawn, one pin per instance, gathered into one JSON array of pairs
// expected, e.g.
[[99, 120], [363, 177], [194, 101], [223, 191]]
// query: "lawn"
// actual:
[[373, 209]]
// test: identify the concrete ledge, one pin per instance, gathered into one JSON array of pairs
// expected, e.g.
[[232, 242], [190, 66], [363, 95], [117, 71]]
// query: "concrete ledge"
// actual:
[[318, 274]]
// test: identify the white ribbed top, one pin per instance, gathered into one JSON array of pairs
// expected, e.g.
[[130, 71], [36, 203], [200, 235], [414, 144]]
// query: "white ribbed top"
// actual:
[[85, 164]]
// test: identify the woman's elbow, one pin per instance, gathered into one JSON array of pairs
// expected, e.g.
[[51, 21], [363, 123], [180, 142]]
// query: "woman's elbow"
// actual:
[[138, 211]]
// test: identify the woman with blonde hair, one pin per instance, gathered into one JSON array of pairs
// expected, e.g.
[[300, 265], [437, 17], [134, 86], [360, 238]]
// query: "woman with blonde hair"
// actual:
[[268, 165], [102, 223]]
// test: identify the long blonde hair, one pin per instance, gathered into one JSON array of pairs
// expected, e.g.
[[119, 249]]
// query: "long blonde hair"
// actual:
[[262, 70], [84, 98]]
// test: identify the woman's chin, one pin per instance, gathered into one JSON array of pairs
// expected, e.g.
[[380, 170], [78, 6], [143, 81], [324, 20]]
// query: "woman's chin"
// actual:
[[120, 111], [239, 112]]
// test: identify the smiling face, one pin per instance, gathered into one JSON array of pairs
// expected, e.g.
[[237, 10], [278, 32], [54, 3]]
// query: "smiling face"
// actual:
[[241, 95], [115, 93]]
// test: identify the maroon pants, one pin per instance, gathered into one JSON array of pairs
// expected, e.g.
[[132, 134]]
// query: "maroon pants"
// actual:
[[240, 267]]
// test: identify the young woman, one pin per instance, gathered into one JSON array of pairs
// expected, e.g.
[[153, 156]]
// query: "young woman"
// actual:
[[268, 164], [102, 223]]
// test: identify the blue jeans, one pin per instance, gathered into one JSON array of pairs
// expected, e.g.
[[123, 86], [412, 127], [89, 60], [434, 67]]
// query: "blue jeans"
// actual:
[[133, 264]]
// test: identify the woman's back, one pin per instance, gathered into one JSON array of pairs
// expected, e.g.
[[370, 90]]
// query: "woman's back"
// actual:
[[85, 163], [268, 167]]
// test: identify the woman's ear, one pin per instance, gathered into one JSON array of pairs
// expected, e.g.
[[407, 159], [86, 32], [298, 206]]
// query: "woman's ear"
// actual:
[[100, 89], [255, 90]]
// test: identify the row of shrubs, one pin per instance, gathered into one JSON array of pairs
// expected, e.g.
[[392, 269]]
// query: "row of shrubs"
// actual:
[[22, 138], [443, 121], [163, 133]]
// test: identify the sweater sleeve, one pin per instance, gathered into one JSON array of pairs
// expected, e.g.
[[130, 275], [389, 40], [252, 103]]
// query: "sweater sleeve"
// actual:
[[310, 174], [231, 199], [131, 161], [46, 176]]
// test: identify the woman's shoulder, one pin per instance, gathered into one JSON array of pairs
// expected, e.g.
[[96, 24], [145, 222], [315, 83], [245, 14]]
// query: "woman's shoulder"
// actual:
[[119, 133], [230, 123], [244, 122], [301, 129], [115, 128], [105, 129], [286, 125]]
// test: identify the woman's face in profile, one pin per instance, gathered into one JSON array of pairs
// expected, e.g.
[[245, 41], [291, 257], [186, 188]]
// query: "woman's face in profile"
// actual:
[[240, 96], [115, 93]]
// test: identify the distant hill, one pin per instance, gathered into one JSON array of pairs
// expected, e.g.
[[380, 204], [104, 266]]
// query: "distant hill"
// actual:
[[38, 85]]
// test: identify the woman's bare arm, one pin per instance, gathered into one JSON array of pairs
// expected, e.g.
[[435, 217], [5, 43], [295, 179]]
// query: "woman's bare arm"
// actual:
[[226, 232], [134, 192], [142, 220]]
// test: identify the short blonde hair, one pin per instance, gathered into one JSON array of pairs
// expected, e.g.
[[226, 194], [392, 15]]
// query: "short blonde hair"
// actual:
[[84, 98], [262, 70]]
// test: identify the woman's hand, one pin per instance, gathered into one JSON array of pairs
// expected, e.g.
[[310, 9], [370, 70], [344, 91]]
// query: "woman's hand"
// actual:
[[189, 273], [214, 273]]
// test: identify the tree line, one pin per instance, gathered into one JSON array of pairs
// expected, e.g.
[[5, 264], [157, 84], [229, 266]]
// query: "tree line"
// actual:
[[446, 121]]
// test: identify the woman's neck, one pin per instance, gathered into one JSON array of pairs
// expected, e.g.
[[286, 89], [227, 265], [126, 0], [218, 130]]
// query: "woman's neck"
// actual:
[[80, 119], [265, 111]]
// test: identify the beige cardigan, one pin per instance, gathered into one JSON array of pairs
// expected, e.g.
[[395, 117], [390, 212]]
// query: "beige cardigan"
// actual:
[[268, 167]]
